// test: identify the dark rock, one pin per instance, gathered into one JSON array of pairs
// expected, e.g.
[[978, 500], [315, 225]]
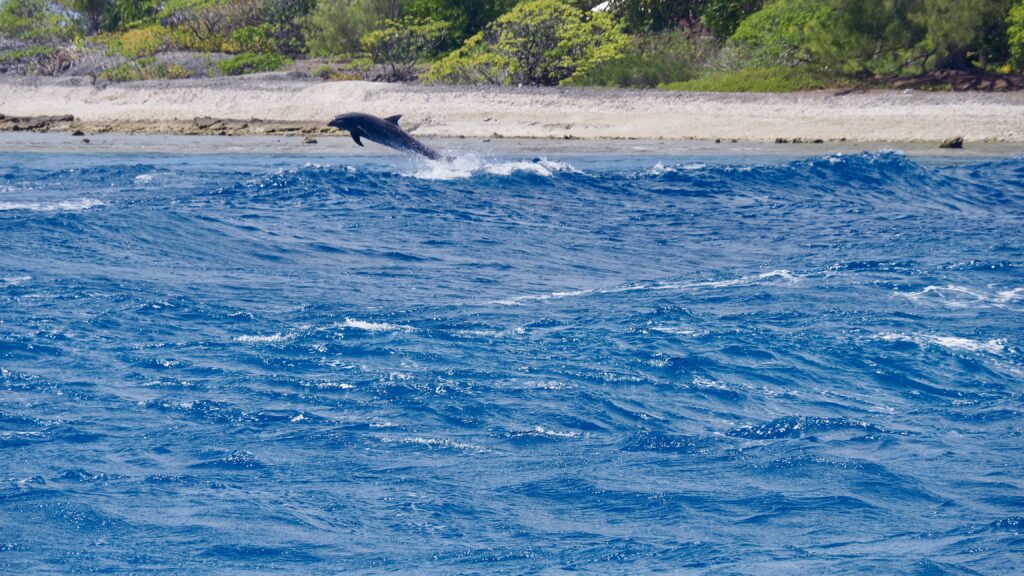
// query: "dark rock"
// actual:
[[78, 133], [953, 143], [86, 140], [309, 140], [819, 141], [781, 141], [206, 122]]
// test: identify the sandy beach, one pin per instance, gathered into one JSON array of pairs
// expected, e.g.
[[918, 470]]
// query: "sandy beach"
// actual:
[[291, 104]]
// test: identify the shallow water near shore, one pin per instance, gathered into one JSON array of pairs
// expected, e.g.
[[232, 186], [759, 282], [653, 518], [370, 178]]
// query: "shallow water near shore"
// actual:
[[617, 364]]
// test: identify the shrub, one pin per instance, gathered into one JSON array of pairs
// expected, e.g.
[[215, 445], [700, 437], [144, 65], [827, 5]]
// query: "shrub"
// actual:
[[125, 14], [259, 39], [399, 45], [1015, 35], [249, 63], [657, 58], [541, 42], [779, 79], [138, 42]]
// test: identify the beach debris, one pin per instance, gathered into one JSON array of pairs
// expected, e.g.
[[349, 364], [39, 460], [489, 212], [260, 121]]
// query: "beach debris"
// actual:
[[953, 143], [309, 140]]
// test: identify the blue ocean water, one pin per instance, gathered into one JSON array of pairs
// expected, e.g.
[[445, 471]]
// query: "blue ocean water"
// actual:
[[594, 364]]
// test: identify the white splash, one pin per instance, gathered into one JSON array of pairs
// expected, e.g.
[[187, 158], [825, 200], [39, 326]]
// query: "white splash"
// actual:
[[372, 326], [469, 165], [76, 205], [994, 346], [954, 296], [265, 339]]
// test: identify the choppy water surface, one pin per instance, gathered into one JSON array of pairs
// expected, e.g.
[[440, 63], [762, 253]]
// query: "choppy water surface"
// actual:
[[602, 365]]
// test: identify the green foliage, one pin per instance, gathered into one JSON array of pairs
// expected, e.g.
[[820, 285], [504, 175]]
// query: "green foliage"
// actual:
[[127, 14], [466, 17], [259, 38], [138, 42], [723, 16], [31, 52], [90, 13], [780, 79], [883, 37], [399, 45], [540, 42], [336, 26], [34, 21], [1015, 34], [249, 63], [654, 59], [654, 15], [777, 35]]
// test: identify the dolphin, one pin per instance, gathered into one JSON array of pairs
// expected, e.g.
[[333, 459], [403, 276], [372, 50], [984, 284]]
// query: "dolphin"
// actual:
[[382, 131]]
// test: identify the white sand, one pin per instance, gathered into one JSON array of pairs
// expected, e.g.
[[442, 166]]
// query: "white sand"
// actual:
[[882, 116]]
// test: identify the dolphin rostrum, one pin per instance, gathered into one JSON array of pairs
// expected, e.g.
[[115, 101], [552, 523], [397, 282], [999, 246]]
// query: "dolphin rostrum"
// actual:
[[382, 131]]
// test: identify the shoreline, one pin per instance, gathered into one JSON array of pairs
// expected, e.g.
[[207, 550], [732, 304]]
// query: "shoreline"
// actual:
[[289, 104]]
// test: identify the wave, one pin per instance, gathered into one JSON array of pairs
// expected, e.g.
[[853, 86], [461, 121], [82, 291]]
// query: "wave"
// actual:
[[995, 346], [471, 165], [742, 281], [76, 205]]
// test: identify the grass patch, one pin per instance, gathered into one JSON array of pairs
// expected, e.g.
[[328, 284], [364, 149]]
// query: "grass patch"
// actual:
[[761, 80]]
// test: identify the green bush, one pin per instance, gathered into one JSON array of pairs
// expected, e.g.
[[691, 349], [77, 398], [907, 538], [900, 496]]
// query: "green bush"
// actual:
[[780, 79], [259, 38], [654, 59], [777, 35], [399, 45], [1015, 34], [250, 63], [540, 42]]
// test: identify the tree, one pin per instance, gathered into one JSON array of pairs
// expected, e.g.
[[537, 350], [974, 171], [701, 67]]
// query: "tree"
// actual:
[[336, 26], [466, 17], [881, 37], [400, 44], [90, 12], [34, 21], [655, 15], [723, 16], [1015, 35], [540, 43]]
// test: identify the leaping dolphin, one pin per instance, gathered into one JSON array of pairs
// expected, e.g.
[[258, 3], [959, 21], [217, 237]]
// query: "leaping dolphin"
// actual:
[[382, 131]]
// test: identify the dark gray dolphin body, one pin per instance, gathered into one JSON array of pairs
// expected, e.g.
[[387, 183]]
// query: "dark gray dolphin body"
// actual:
[[382, 131]]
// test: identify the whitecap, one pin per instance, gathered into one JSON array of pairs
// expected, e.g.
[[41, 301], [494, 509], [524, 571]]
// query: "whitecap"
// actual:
[[468, 165], [955, 296], [265, 339], [372, 326], [76, 205], [15, 280], [995, 346]]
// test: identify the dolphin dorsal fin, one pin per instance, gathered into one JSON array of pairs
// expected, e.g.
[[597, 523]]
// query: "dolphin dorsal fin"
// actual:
[[393, 119]]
